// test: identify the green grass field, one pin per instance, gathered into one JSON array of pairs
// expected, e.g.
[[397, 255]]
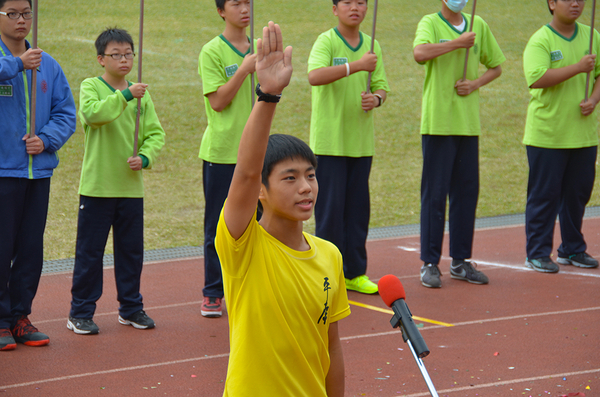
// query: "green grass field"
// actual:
[[173, 37]]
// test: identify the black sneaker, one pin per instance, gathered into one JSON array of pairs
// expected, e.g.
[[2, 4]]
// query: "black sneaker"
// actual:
[[544, 265], [139, 320], [464, 270], [82, 326], [430, 275], [7, 342], [27, 334], [583, 259]]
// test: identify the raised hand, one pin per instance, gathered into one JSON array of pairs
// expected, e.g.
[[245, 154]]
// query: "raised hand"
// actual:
[[273, 63]]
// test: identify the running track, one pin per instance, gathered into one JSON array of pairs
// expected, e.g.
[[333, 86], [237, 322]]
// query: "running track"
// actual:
[[524, 334]]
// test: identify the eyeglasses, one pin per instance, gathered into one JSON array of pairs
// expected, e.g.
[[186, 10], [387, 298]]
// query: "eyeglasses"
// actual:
[[118, 57], [16, 15]]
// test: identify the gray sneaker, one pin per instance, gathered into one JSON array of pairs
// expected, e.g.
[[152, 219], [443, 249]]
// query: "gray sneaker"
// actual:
[[544, 265], [82, 326], [464, 270], [430, 275], [583, 259]]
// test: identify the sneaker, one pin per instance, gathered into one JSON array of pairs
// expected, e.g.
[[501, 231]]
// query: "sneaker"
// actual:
[[362, 284], [464, 270], [82, 326], [583, 259], [7, 342], [211, 307], [139, 320], [27, 334], [544, 265], [430, 275]]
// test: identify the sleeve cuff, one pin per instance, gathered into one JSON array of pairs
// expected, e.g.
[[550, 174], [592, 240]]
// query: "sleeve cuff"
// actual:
[[145, 161], [127, 94]]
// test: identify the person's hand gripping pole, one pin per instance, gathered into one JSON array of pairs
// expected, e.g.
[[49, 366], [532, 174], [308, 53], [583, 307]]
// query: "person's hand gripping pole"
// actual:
[[587, 80], [469, 49]]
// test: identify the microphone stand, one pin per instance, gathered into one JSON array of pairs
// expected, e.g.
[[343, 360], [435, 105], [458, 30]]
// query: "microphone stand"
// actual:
[[396, 322]]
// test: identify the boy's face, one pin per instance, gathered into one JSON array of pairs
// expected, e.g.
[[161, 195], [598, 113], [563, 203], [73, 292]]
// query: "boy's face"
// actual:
[[292, 191], [117, 67], [15, 29], [351, 12], [566, 11], [236, 12]]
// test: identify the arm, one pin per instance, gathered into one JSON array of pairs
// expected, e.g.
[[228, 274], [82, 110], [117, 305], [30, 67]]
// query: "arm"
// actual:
[[62, 121], [554, 77], [588, 107], [426, 52], [274, 71], [335, 381], [464, 88], [97, 112], [370, 101], [224, 95], [328, 75], [151, 140]]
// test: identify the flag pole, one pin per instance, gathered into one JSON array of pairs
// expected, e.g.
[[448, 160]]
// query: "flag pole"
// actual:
[[252, 47], [34, 71], [372, 42], [587, 80], [139, 102], [470, 30]]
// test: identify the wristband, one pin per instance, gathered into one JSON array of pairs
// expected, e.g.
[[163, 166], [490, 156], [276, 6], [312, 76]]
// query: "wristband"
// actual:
[[380, 100], [347, 69], [269, 98]]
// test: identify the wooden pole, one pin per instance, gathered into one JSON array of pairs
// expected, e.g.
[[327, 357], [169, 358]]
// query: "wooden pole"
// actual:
[[587, 80], [139, 102], [372, 42], [468, 49], [252, 48], [34, 71]]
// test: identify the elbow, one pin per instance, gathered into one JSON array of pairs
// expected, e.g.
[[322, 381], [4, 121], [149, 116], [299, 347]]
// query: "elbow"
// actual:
[[313, 79], [217, 107], [419, 57]]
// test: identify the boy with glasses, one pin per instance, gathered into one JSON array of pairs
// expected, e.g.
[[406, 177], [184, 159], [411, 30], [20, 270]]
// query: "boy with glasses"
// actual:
[[225, 66], [112, 187], [560, 136], [27, 162]]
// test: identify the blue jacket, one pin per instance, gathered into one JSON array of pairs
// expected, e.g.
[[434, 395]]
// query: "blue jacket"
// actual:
[[55, 117]]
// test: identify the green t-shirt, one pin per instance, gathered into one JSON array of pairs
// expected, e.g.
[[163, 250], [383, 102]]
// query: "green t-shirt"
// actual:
[[444, 112], [218, 62], [554, 118], [338, 125], [108, 117]]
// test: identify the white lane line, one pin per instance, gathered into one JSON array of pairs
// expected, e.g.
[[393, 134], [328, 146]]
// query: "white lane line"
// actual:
[[505, 383], [115, 370], [514, 267]]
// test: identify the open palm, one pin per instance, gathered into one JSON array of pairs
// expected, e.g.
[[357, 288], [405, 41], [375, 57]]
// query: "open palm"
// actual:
[[273, 63]]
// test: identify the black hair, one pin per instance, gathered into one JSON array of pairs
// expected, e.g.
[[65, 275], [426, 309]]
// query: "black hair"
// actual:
[[282, 147], [112, 34], [220, 4], [2, 2], [335, 2], [549, 9]]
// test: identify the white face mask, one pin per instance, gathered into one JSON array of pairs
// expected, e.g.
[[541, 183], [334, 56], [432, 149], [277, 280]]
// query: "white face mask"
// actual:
[[456, 6]]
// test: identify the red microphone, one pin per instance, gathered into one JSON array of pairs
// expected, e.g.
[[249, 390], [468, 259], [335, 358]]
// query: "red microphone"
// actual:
[[393, 295]]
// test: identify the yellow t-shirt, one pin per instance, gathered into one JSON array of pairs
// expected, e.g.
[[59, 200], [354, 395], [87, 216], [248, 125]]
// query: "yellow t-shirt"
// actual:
[[280, 304]]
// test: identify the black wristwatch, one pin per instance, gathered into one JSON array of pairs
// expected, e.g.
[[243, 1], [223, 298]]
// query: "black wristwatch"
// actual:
[[262, 97]]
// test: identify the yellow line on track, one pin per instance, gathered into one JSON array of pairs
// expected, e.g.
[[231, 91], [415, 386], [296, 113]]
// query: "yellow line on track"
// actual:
[[387, 311]]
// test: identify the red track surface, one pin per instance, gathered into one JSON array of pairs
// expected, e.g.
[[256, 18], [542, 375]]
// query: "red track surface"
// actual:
[[524, 334]]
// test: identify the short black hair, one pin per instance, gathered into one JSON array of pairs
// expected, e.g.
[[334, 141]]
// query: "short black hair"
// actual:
[[282, 147], [220, 4], [2, 2], [112, 34], [335, 2]]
